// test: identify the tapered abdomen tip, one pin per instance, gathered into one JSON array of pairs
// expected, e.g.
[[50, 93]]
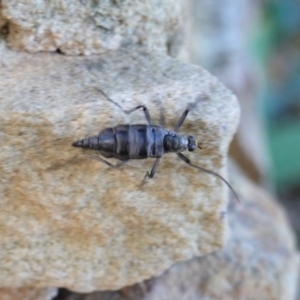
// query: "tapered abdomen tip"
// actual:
[[77, 144], [89, 143]]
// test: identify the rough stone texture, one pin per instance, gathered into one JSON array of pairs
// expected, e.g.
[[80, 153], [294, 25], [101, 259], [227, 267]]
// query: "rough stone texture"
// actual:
[[224, 48], [2, 21], [91, 27], [28, 294], [67, 220], [259, 262]]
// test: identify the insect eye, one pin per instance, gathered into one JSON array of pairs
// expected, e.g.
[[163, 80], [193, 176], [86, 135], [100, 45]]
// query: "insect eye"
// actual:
[[192, 143], [192, 147]]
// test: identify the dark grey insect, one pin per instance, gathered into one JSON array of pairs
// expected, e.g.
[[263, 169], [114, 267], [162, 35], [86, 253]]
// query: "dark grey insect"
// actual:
[[140, 141]]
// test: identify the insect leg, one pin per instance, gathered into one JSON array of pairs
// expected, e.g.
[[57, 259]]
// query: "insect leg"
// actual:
[[119, 165], [145, 109], [186, 160], [181, 120], [153, 170], [162, 121], [146, 112], [190, 107]]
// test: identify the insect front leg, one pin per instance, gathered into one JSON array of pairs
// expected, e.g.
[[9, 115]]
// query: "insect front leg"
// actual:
[[119, 165], [192, 106], [146, 112], [162, 121], [153, 170]]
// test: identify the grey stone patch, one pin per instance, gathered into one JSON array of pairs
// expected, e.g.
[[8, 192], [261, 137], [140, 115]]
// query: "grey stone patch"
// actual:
[[91, 27], [69, 221]]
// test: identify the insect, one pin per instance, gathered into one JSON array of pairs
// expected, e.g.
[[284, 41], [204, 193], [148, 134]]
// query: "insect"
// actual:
[[139, 141]]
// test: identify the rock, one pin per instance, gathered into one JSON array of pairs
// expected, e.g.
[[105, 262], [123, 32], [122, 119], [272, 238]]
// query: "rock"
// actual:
[[67, 220], [91, 27], [229, 54], [28, 293], [259, 262]]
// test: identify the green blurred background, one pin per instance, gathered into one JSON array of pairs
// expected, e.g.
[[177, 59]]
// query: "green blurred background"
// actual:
[[279, 48]]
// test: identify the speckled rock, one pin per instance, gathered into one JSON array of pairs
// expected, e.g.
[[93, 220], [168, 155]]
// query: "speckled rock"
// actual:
[[28, 294], [259, 262], [228, 55], [67, 220], [91, 27]]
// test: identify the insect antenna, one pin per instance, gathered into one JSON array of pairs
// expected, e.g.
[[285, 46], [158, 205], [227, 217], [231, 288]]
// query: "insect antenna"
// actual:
[[186, 160], [198, 145]]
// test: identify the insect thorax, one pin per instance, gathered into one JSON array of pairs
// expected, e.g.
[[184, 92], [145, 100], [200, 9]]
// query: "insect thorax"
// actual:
[[174, 142]]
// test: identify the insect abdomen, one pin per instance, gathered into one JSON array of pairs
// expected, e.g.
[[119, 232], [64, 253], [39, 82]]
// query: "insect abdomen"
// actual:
[[104, 142], [127, 142], [138, 141]]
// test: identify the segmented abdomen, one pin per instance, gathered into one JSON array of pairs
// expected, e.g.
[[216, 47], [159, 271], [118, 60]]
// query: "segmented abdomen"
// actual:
[[127, 141]]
